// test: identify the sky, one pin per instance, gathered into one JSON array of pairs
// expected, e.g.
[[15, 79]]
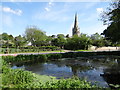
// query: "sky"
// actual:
[[52, 17]]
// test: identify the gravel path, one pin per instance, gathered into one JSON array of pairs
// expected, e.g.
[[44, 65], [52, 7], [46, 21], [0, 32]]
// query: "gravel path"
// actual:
[[94, 49]]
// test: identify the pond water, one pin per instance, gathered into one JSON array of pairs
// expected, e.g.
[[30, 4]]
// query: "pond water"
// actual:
[[103, 69]]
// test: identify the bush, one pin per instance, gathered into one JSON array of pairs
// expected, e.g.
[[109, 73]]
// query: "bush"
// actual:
[[9, 58], [16, 76], [54, 56]]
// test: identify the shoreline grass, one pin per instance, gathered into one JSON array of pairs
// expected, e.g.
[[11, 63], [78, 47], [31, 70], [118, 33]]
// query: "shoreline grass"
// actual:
[[35, 52]]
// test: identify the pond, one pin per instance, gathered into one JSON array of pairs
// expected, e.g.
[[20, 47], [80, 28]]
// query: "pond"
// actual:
[[100, 70]]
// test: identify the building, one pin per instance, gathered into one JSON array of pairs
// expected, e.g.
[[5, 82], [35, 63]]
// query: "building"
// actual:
[[76, 29]]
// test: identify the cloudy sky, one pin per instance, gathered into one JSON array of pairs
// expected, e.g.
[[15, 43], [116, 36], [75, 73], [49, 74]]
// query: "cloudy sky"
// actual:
[[52, 17]]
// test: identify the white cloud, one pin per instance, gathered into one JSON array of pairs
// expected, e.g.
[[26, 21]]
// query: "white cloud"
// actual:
[[47, 9], [9, 10], [99, 10], [94, 16], [49, 5]]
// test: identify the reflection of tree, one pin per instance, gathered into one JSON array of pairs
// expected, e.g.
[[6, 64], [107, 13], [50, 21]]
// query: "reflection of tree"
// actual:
[[112, 75], [77, 67], [74, 70], [58, 63]]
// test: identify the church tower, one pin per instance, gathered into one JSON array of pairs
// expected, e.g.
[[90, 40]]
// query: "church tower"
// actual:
[[76, 29]]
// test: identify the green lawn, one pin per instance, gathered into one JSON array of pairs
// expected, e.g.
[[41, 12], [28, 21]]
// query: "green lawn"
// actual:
[[83, 50]]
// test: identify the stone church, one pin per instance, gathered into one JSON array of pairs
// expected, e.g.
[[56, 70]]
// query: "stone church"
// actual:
[[76, 29]]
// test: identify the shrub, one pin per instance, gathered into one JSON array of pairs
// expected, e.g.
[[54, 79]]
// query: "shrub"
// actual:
[[8, 58], [16, 76], [54, 56]]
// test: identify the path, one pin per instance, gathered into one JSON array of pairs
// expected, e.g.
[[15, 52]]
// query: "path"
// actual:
[[93, 49], [32, 53]]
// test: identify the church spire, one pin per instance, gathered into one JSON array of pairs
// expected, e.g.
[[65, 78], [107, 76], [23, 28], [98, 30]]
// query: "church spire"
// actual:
[[76, 21], [76, 28]]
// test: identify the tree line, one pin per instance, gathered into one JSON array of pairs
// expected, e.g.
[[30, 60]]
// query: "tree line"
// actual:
[[35, 37]]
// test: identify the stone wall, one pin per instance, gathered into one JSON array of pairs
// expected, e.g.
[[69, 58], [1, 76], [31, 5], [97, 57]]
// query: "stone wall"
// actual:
[[94, 48]]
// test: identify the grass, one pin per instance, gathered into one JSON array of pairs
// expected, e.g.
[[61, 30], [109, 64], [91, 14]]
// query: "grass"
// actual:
[[43, 51], [36, 52], [83, 50], [44, 78], [29, 49]]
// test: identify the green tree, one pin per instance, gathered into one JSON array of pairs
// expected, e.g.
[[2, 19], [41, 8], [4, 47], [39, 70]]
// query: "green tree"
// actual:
[[112, 18], [67, 36], [19, 41], [53, 36], [97, 40], [59, 41], [76, 43], [48, 41], [60, 36], [6, 40], [36, 36], [5, 36]]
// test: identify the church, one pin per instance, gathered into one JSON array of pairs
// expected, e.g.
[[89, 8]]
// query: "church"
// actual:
[[76, 29]]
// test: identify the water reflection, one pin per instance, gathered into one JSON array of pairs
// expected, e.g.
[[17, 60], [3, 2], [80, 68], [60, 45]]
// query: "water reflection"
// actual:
[[112, 74], [91, 68]]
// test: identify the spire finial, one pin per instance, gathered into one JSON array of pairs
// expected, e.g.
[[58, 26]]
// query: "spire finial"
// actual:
[[76, 28], [76, 21]]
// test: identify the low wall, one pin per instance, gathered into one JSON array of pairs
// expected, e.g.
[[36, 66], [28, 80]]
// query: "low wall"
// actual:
[[94, 48]]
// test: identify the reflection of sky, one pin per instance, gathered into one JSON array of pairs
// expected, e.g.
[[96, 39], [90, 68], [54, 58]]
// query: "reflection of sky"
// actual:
[[93, 75], [15, 67], [52, 69]]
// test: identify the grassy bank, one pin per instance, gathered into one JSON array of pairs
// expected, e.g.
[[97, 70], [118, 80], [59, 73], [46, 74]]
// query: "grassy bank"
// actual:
[[19, 78], [28, 49], [38, 58], [33, 52]]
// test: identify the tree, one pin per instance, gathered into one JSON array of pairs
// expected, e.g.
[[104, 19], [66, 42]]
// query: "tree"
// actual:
[[19, 41], [67, 36], [76, 43], [6, 40], [60, 36], [48, 41], [112, 19], [97, 40], [59, 41], [53, 36], [5, 36], [36, 36]]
